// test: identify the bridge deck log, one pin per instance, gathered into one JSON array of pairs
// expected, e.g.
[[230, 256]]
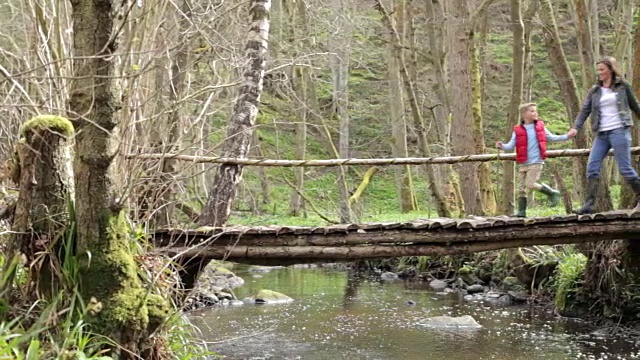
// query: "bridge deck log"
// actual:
[[350, 242]]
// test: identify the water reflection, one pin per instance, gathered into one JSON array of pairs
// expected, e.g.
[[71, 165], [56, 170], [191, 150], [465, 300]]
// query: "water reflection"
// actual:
[[354, 279], [343, 315]]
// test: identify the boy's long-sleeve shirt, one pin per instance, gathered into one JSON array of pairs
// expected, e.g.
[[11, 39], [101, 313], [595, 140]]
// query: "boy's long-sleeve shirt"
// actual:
[[533, 148]]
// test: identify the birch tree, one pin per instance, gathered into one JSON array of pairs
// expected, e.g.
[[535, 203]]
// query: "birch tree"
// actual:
[[241, 124]]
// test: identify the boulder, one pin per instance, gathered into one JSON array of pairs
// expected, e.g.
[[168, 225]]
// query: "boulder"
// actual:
[[511, 283], [388, 276], [449, 322], [438, 285], [270, 297]]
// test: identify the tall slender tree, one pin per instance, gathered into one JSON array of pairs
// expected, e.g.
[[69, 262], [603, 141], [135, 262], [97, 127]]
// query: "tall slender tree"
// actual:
[[517, 81]]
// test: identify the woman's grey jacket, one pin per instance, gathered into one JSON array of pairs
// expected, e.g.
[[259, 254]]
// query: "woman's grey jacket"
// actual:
[[627, 102]]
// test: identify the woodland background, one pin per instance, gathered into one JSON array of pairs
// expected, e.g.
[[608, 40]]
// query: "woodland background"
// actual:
[[338, 84]]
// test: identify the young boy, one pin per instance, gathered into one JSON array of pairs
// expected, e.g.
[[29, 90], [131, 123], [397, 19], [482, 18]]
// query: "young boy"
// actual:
[[530, 138]]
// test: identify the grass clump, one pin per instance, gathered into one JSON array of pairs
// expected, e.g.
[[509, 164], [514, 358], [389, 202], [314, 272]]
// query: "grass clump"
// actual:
[[568, 277]]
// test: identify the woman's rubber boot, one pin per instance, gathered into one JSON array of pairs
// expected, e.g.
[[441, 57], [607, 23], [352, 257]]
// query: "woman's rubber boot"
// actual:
[[589, 197], [553, 194], [522, 207], [635, 186]]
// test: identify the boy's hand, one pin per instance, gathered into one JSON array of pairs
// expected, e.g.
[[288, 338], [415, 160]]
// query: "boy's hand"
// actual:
[[499, 144], [572, 133]]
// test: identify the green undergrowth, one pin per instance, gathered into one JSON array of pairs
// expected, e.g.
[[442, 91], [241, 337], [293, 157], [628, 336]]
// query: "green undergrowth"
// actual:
[[59, 326]]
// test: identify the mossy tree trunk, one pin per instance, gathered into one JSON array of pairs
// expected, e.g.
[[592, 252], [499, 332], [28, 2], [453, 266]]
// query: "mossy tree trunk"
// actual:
[[42, 170], [513, 117], [487, 193], [399, 148], [109, 277]]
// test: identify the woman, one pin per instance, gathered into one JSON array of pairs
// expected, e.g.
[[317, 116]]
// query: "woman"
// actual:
[[609, 103]]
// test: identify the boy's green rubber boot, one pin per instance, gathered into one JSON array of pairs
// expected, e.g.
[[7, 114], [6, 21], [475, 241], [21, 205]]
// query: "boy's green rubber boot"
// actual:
[[553, 194], [522, 207]]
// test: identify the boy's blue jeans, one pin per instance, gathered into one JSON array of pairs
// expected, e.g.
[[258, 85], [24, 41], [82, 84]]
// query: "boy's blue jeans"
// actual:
[[618, 139]]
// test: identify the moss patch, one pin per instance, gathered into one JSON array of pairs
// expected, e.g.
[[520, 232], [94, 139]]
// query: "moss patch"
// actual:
[[51, 122], [158, 309], [112, 279]]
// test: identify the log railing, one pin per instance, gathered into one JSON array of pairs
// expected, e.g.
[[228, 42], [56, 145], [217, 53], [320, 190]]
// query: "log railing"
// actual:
[[356, 161]]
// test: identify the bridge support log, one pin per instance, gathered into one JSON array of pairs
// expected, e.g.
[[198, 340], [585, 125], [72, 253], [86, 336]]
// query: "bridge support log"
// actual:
[[256, 246], [254, 254]]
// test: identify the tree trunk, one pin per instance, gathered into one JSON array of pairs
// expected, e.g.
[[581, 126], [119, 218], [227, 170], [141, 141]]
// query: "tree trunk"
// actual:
[[240, 129], [45, 181], [527, 20], [513, 116], [627, 198], [568, 88], [404, 182], [436, 33], [488, 196], [583, 28], [239, 135], [167, 190], [339, 62], [459, 38], [108, 272], [296, 207], [623, 34], [595, 28], [438, 198]]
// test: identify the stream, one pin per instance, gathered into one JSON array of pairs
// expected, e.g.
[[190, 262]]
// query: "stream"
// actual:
[[336, 316]]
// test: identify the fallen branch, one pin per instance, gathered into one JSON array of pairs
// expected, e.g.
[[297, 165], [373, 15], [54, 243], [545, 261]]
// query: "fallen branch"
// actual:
[[355, 161]]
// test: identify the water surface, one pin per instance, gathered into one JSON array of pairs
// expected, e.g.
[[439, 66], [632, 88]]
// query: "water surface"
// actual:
[[335, 316]]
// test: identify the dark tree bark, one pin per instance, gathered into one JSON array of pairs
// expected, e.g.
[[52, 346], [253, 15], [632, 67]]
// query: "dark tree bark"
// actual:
[[108, 274], [42, 170]]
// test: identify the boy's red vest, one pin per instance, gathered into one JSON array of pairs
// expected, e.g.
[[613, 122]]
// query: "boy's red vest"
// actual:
[[521, 141]]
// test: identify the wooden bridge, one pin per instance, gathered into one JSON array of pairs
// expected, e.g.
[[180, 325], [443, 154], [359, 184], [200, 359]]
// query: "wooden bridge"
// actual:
[[285, 245]]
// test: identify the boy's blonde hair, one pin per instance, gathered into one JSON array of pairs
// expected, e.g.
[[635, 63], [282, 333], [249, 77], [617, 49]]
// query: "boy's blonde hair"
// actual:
[[524, 107]]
